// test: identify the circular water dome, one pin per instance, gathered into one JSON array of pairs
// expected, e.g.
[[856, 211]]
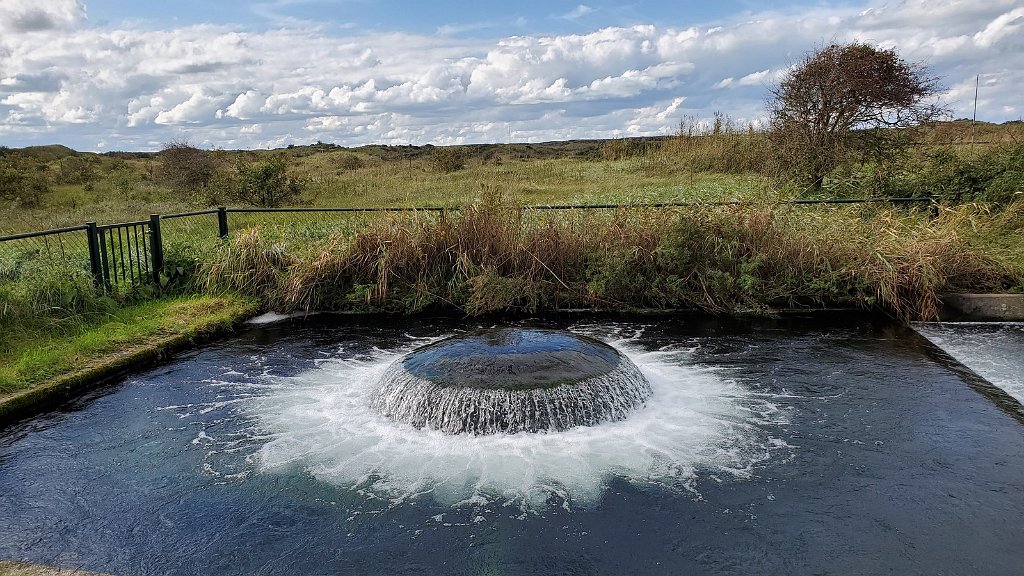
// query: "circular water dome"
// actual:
[[510, 380]]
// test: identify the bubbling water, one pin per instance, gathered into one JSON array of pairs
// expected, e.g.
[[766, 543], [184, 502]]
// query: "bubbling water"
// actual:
[[511, 380], [697, 421]]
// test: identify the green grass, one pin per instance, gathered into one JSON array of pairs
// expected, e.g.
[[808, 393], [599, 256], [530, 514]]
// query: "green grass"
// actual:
[[35, 356], [696, 165], [413, 184]]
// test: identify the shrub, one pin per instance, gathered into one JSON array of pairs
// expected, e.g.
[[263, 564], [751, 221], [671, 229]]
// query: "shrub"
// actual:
[[350, 162], [186, 168], [996, 176], [448, 159], [267, 184], [23, 182]]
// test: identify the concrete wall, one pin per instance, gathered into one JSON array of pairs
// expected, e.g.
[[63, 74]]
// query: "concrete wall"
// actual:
[[982, 308]]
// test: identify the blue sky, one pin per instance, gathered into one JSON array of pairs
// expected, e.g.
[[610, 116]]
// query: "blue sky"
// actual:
[[493, 19], [105, 75]]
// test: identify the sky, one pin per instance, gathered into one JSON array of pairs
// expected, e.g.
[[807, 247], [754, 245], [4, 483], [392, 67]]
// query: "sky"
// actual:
[[103, 75]]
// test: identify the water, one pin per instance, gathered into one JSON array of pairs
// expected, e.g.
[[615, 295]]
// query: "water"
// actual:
[[993, 350], [510, 381], [800, 446]]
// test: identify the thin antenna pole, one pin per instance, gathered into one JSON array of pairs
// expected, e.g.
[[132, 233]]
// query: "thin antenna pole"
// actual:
[[974, 119]]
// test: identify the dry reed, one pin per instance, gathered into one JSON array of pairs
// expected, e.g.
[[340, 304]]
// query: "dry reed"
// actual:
[[494, 256]]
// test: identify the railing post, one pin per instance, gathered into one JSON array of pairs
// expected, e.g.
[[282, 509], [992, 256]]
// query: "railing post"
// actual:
[[222, 221], [156, 248], [95, 263]]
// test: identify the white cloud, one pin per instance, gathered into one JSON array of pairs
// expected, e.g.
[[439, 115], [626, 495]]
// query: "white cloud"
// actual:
[[132, 86], [577, 12], [246, 105], [1008, 25], [40, 15]]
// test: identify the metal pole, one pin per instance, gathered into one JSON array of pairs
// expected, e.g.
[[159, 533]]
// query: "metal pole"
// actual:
[[222, 221], [156, 248], [974, 119], [95, 264]]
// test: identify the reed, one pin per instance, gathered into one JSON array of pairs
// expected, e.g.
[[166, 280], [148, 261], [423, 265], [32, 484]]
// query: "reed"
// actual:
[[496, 256]]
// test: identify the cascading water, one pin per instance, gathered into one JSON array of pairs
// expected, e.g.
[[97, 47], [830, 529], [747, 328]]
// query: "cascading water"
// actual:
[[327, 421], [511, 380]]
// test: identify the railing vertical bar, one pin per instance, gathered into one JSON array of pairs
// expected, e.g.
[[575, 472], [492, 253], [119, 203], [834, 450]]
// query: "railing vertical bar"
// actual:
[[95, 266], [112, 262], [112, 265], [138, 258], [132, 250], [120, 250], [115, 258], [138, 253], [104, 262], [145, 248], [156, 247], [130, 274]]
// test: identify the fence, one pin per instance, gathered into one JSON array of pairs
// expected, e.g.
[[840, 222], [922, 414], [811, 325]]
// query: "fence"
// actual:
[[130, 254]]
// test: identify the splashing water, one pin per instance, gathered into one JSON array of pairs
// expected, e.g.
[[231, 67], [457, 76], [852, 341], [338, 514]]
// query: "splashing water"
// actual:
[[323, 421], [479, 384], [991, 349]]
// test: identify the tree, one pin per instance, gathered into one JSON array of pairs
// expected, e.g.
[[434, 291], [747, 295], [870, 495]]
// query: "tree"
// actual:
[[848, 99]]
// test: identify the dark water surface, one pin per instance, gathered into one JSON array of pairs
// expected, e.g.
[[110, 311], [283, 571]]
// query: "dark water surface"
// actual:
[[795, 446]]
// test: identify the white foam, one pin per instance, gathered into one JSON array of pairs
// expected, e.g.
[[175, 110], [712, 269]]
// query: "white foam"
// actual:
[[696, 420], [992, 350], [270, 317]]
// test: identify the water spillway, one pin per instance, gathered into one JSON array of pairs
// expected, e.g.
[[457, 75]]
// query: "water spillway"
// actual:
[[511, 380]]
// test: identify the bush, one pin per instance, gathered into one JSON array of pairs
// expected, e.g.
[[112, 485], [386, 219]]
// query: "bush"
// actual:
[[44, 293], [448, 159], [186, 168], [350, 162], [267, 184], [23, 182], [996, 176]]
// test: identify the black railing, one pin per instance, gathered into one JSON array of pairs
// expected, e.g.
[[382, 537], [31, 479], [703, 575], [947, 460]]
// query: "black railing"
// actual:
[[132, 253], [126, 253]]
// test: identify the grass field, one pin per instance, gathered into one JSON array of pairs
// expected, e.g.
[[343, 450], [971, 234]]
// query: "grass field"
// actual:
[[734, 165], [398, 184]]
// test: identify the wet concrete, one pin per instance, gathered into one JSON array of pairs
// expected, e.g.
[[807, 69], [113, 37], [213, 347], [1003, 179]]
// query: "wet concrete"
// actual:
[[982, 308]]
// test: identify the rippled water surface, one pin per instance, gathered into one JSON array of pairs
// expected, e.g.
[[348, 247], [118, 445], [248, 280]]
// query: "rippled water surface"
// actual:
[[791, 446]]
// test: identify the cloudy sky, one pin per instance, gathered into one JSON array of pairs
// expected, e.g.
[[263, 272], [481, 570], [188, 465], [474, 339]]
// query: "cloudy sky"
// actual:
[[114, 75]]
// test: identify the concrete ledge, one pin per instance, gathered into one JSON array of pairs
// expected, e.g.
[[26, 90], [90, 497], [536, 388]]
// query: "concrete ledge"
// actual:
[[982, 308]]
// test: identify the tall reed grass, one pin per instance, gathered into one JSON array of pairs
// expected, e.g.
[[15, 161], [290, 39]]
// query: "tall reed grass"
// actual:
[[496, 256]]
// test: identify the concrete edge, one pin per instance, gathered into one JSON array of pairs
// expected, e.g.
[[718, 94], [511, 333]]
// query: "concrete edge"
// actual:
[[982, 308], [56, 391]]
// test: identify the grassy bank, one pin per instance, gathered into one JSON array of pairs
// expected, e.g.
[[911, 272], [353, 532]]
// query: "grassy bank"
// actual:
[[8, 568], [495, 256], [35, 355]]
